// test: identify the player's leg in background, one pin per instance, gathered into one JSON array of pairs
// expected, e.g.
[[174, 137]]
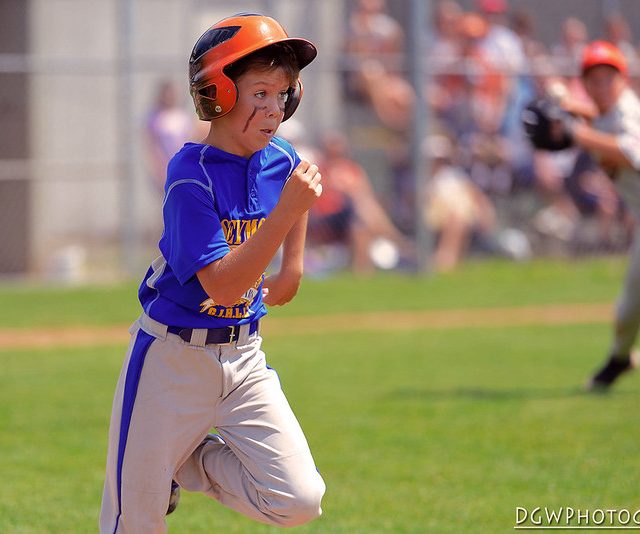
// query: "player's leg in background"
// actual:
[[627, 320], [260, 464], [163, 408], [621, 356]]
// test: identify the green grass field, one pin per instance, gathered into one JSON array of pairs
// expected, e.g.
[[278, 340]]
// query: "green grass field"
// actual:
[[414, 431]]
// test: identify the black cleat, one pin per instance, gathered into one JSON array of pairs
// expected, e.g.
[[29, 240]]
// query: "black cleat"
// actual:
[[174, 498], [615, 366]]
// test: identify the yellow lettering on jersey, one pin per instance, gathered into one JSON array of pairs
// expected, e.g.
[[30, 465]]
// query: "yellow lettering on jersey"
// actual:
[[231, 231], [237, 231], [238, 311], [250, 227], [208, 306], [255, 224], [216, 311]]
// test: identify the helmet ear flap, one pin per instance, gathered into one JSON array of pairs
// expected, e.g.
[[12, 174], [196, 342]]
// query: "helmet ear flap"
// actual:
[[295, 95], [215, 100]]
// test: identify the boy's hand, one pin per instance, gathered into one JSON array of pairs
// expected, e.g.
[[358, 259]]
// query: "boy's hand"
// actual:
[[302, 188], [278, 289]]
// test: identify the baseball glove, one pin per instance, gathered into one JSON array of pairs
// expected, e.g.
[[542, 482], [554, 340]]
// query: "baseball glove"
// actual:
[[547, 125]]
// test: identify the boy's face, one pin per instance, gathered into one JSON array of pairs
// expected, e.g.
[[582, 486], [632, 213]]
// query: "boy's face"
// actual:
[[603, 84], [253, 121]]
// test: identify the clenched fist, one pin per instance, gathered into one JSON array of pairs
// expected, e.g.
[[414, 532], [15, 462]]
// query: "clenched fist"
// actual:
[[302, 188]]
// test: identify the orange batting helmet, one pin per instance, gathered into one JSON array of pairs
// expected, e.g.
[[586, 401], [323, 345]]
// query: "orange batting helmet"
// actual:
[[214, 93], [603, 53]]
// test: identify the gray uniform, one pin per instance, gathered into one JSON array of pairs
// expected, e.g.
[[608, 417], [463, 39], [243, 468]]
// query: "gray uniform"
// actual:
[[258, 464], [623, 120]]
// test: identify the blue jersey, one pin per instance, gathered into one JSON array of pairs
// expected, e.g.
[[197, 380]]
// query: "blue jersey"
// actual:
[[213, 201]]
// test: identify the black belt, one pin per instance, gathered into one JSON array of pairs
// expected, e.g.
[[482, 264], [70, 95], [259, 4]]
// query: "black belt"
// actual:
[[215, 336]]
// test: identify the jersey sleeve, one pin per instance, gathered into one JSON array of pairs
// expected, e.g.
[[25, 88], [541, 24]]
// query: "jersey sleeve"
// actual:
[[296, 160], [193, 236], [291, 153], [629, 140]]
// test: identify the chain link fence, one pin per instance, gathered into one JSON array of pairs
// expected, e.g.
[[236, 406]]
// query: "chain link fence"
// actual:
[[94, 95]]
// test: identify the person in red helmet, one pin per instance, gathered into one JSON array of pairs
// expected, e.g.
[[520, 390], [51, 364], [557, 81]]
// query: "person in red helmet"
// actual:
[[611, 135], [613, 138]]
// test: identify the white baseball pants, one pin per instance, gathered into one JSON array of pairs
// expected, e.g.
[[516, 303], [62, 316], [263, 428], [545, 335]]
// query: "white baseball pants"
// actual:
[[627, 321], [169, 395]]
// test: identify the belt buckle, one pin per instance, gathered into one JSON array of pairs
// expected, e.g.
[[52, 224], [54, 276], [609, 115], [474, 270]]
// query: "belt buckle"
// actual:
[[232, 335]]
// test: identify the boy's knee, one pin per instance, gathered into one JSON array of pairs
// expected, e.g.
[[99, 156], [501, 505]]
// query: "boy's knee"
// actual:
[[302, 505]]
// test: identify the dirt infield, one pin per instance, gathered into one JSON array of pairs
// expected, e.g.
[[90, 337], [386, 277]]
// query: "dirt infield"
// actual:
[[546, 315]]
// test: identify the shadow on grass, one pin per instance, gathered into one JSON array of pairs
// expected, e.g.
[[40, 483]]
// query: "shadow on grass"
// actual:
[[488, 394]]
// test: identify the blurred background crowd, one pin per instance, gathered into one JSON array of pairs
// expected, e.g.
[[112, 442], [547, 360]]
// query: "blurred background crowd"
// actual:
[[93, 115], [487, 191]]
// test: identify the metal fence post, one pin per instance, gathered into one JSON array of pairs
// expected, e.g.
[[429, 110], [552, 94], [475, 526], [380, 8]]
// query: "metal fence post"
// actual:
[[419, 74], [126, 131]]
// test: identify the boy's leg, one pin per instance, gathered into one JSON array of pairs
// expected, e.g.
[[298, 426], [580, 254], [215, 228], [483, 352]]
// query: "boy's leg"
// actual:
[[110, 497], [164, 405], [260, 464]]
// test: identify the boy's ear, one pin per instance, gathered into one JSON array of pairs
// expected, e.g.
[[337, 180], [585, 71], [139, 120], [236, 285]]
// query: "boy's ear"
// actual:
[[295, 95]]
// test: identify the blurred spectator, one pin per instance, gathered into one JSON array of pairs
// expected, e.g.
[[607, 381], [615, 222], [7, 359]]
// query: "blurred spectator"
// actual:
[[381, 99], [568, 51], [559, 215], [168, 126], [618, 32], [523, 26], [373, 32], [328, 237], [446, 91], [536, 55], [455, 209], [487, 95], [375, 45], [390, 95], [348, 212], [485, 77], [530, 83], [445, 45], [504, 48], [501, 43], [490, 165], [373, 35]]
